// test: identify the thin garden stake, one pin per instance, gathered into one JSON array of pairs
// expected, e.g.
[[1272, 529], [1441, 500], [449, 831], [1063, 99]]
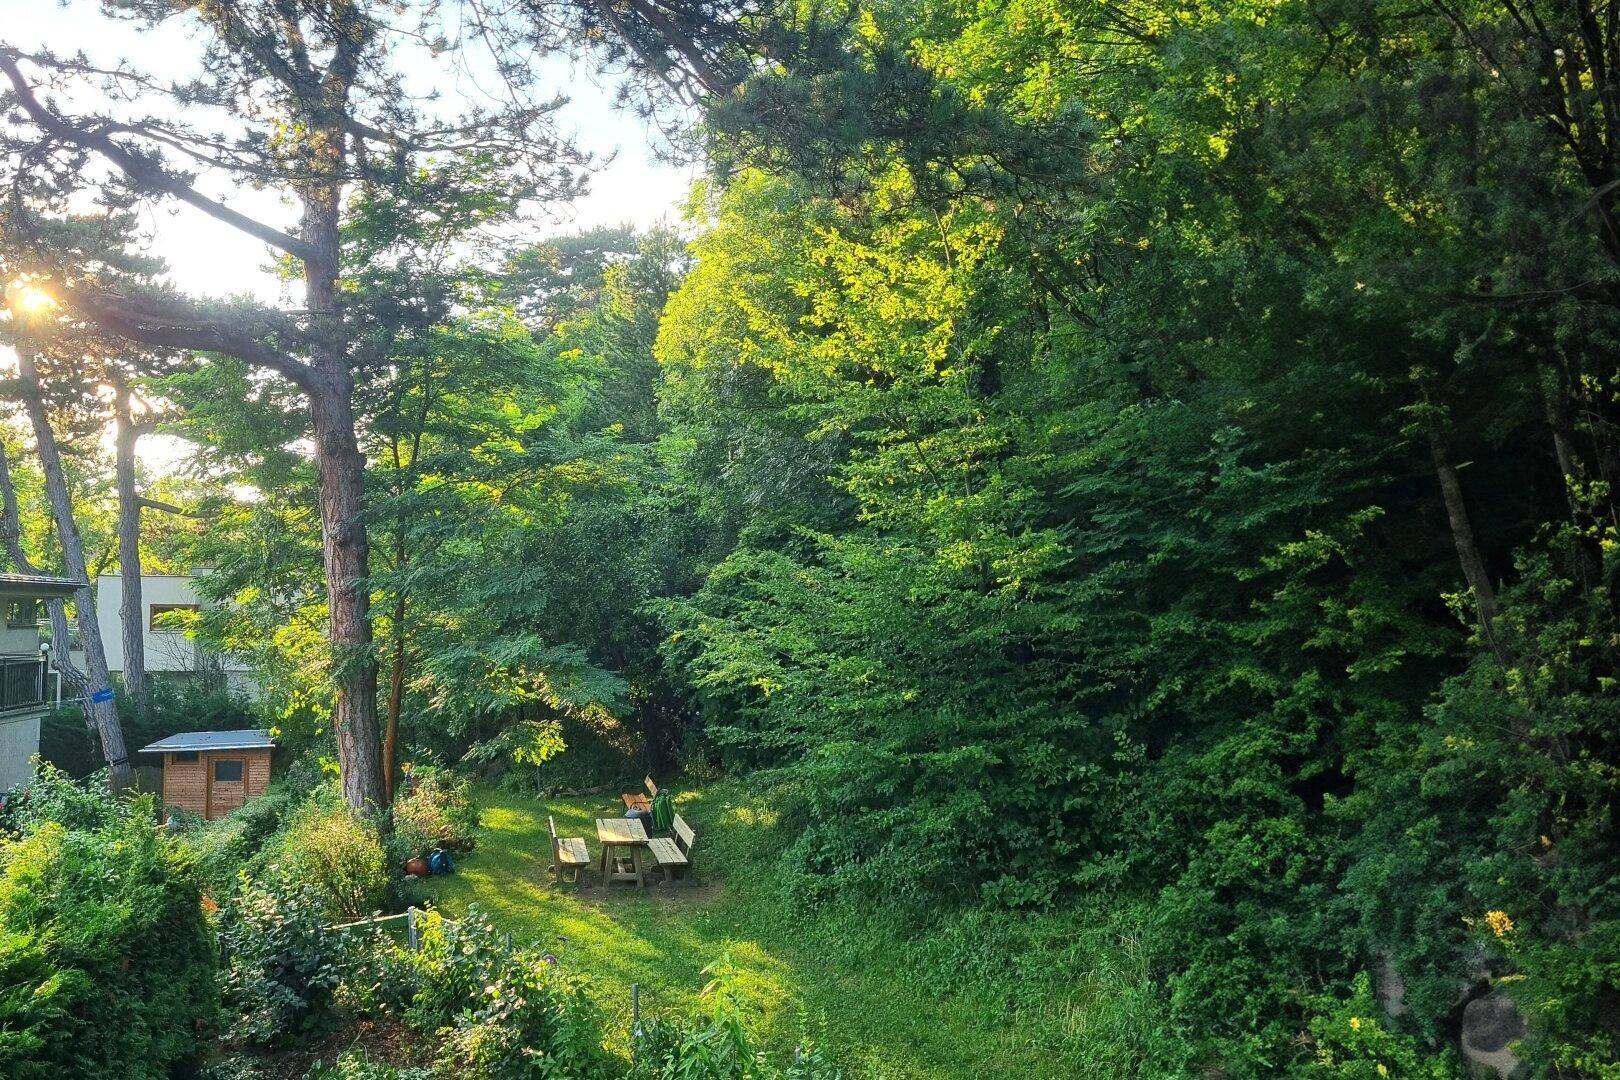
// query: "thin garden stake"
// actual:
[[635, 1023]]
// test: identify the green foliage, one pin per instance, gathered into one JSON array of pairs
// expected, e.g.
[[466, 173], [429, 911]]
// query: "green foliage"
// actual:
[[332, 852], [54, 797], [434, 810], [358, 1065], [174, 704], [283, 964], [106, 961], [1084, 514], [715, 1045], [1152, 461], [499, 1013], [226, 846], [1352, 1042]]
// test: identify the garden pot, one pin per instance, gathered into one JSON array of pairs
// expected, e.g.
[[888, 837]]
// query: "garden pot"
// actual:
[[417, 866]]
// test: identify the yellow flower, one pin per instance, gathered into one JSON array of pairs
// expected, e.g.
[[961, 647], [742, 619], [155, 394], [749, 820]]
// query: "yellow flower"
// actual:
[[1499, 923], [1355, 1023]]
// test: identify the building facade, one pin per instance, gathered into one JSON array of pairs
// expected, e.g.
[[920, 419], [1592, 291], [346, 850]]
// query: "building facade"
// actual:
[[26, 690], [171, 650]]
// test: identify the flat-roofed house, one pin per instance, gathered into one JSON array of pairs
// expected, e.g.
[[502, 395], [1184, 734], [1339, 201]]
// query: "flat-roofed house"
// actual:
[[172, 652]]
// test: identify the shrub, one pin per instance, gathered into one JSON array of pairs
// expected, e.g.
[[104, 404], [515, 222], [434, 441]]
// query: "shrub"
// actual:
[[172, 705], [717, 1046], [282, 965], [226, 846], [358, 1065], [501, 1014], [106, 962], [336, 853], [1353, 1044], [436, 811], [55, 797]]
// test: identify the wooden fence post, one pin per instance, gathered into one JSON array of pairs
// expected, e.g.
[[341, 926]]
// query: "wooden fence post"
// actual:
[[410, 929]]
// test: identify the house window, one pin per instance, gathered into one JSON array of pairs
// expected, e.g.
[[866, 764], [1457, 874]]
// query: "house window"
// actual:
[[228, 771], [185, 757], [155, 613], [23, 613]]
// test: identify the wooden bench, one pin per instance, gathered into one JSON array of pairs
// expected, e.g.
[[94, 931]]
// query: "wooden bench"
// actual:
[[568, 853], [635, 801], [674, 856]]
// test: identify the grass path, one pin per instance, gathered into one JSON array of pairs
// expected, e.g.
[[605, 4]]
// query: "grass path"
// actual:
[[851, 990]]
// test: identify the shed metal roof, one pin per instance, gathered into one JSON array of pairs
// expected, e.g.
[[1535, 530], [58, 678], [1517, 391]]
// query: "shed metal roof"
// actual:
[[250, 739], [14, 586]]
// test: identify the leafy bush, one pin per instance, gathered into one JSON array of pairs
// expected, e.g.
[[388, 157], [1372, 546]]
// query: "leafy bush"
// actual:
[[436, 810], [106, 962], [283, 965], [173, 705], [1352, 1043], [336, 853], [56, 798], [358, 1065], [228, 845], [502, 1014], [717, 1046]]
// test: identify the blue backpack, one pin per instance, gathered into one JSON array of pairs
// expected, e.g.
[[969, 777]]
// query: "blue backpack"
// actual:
[[439, 862]]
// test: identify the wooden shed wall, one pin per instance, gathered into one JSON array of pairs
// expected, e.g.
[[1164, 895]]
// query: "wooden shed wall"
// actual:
[[258, 772], [186, 783]]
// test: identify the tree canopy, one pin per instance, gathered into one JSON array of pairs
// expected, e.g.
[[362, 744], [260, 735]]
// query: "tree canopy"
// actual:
[[1154, 460]]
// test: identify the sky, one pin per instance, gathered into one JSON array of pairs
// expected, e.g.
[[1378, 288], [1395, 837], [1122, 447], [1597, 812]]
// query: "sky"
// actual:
[[210, 259]]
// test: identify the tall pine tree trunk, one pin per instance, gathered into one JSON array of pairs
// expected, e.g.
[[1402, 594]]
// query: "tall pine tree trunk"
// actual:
[[104, 713], [129, 549], [340, 476]]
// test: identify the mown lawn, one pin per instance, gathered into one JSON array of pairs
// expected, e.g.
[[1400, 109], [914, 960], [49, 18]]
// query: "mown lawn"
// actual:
[[852, 988]]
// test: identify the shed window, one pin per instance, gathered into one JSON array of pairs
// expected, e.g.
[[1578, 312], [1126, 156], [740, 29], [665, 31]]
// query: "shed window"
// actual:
[[185, 757], [228, 771], [155, 615]]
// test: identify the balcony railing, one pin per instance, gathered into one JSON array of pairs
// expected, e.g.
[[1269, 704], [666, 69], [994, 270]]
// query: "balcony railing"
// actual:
[[22, 682]]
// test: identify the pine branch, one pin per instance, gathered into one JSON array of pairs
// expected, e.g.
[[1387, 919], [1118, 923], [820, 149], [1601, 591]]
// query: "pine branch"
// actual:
[[143, 171], [172, 326]]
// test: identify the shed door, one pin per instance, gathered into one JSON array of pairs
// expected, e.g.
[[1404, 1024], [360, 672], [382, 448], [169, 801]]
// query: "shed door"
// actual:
[[227, 785]]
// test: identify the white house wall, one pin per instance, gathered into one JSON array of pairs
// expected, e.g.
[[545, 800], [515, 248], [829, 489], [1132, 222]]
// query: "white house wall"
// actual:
[[19, 640], [19, 741], [166, 650]]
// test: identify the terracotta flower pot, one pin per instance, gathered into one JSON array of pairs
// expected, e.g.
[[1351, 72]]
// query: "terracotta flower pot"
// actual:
[[417, 866]]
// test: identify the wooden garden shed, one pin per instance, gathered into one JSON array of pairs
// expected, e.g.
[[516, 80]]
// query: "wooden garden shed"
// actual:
[[213, 772]]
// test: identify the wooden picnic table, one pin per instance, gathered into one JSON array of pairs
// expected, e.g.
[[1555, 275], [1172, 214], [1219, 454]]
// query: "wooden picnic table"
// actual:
[[614, 834]]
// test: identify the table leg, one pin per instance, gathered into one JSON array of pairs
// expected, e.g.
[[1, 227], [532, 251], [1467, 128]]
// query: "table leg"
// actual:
[[639, 863], [607, 863]]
